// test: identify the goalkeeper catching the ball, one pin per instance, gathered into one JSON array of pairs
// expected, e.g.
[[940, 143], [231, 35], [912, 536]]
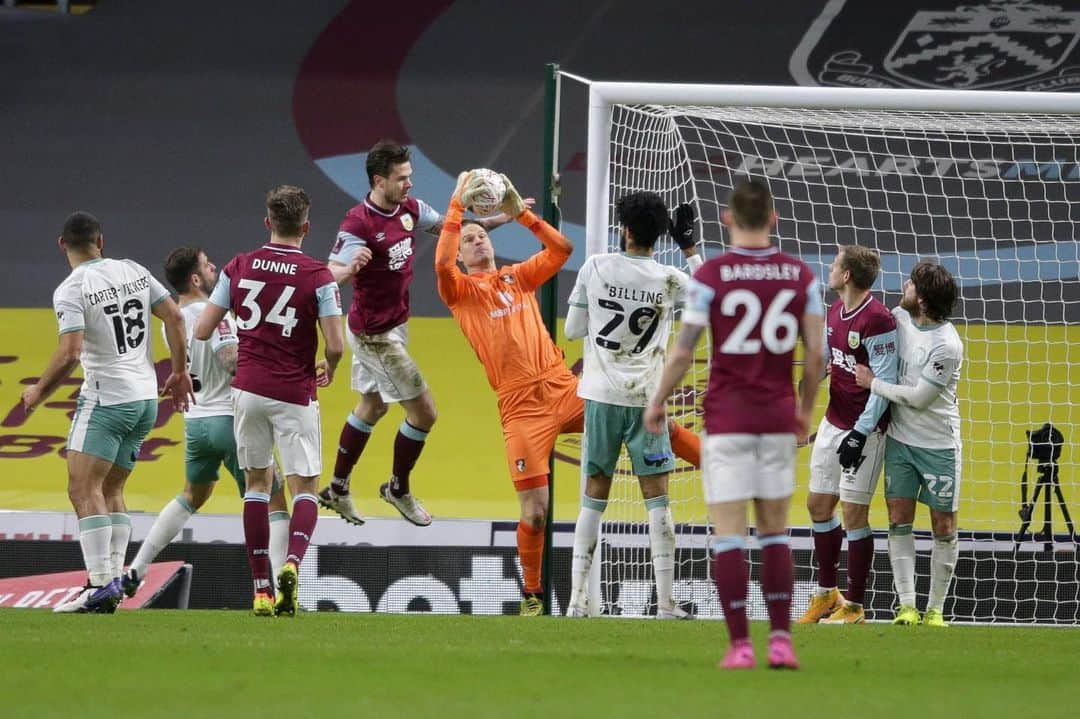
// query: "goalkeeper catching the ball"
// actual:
[[497, 311]]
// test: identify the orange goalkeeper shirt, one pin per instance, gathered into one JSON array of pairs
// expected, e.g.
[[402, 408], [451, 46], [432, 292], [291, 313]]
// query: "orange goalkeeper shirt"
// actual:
[[497, 310]]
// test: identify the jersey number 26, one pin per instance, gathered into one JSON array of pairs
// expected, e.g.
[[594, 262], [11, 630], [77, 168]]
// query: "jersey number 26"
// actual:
[[779, 329]]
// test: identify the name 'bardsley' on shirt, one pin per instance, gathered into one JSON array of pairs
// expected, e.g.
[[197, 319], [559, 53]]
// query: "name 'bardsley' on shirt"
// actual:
[[732, 273]]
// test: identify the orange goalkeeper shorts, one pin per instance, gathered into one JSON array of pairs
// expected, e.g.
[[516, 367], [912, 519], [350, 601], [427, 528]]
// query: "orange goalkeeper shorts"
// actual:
[[533, 416]]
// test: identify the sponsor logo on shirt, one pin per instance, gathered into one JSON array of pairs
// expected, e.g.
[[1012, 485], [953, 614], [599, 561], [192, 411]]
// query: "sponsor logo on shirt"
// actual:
[[399, 253]]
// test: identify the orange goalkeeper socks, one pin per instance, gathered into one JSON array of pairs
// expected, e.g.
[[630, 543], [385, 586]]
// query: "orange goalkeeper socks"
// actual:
[[685, 444], [530, 542]]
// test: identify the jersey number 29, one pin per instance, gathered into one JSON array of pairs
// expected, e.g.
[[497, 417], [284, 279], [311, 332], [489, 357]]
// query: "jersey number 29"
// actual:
[[636, 323]]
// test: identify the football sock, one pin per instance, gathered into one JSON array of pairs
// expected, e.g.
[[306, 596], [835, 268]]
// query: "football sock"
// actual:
[[860, 548], [354, 437], [828, 538], [95, 534], [408, 445], [118, 541], [530, 542], [257, 539], [586, 532], [662, 547], [305, 514], [279, 540], [169, 522], [777, 580], [684, 443], [902, 559], [942, 566], [730, 576]]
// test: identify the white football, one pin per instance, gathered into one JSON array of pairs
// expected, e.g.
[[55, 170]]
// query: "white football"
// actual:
[[488, 201]]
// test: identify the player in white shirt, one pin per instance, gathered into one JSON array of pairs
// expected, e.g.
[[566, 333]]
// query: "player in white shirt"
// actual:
[[623, 305], [103, 309], [922, 448], [209, 441]]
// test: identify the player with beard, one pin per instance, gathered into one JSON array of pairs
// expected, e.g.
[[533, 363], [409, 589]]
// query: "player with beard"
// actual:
[[922, 448]]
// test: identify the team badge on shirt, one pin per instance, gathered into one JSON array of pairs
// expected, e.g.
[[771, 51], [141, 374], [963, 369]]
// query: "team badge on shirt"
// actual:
[[507, 278], [520, 464], [853, 340], [407, 223]]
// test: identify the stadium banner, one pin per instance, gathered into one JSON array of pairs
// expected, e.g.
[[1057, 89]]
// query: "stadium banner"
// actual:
[[46, 591], [990, 586]]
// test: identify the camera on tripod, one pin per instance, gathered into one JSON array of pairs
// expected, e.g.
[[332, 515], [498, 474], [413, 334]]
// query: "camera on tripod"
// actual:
[[1044, 447]]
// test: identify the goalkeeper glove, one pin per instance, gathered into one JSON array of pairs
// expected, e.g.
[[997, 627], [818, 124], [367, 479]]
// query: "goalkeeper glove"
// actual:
[[851, 448], [512, 203], [681, 228], [475, 186]]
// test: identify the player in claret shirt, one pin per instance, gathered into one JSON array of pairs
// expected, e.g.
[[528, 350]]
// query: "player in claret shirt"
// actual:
[[375, 249], [757, 301], [850, 442], [281, 299]]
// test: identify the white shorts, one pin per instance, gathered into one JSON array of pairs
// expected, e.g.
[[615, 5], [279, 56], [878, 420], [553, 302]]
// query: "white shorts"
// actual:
[[826, 476], [260, 423], [381, 363], [748, 466]]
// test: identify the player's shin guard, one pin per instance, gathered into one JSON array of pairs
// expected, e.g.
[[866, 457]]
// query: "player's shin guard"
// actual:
[[662, 547], [777, 580], [828, 538], [902, 559], [685, 444], [586, 534], [860, 543], [257, 539], [354, 437], [408, 445], [730, 575], [530, 541], [95, 535], [169, 522], [118, 541], [942, 565], [305, 514], [279, 540]]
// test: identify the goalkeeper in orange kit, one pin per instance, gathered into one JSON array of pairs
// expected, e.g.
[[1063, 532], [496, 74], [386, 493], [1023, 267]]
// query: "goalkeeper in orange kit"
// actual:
[[497, 311]]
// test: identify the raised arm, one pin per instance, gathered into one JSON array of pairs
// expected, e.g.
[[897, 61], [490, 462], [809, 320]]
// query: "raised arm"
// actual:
[[681, 229], [448, 276]]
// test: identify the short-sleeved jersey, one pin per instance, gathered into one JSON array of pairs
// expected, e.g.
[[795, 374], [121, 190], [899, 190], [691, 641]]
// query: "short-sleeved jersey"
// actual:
[[381, 290], [497, 311], [754, 301], [866, 336], [277, 294], [933, 353], [110, 301], [630, 303], [213, 384]]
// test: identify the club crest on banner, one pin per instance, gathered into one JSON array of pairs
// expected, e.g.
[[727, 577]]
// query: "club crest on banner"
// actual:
[[1005, 45]]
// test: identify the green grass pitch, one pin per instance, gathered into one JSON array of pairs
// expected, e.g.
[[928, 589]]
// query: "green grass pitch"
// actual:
[[223, 664]]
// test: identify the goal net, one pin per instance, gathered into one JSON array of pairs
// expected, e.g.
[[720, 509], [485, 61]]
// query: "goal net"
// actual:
[[988, 184]]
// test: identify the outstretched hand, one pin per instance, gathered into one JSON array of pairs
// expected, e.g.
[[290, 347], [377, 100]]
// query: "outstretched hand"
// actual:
[[681, 226], [462, 182], [512, 204]]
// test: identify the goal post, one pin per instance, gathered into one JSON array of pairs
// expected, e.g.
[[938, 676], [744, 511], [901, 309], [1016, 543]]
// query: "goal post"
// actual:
[[988, 183]]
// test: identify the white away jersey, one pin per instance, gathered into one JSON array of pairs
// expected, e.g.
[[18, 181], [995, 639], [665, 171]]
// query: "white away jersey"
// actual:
[[935, 354], [213, 385], [628, 301], [110, 301]]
